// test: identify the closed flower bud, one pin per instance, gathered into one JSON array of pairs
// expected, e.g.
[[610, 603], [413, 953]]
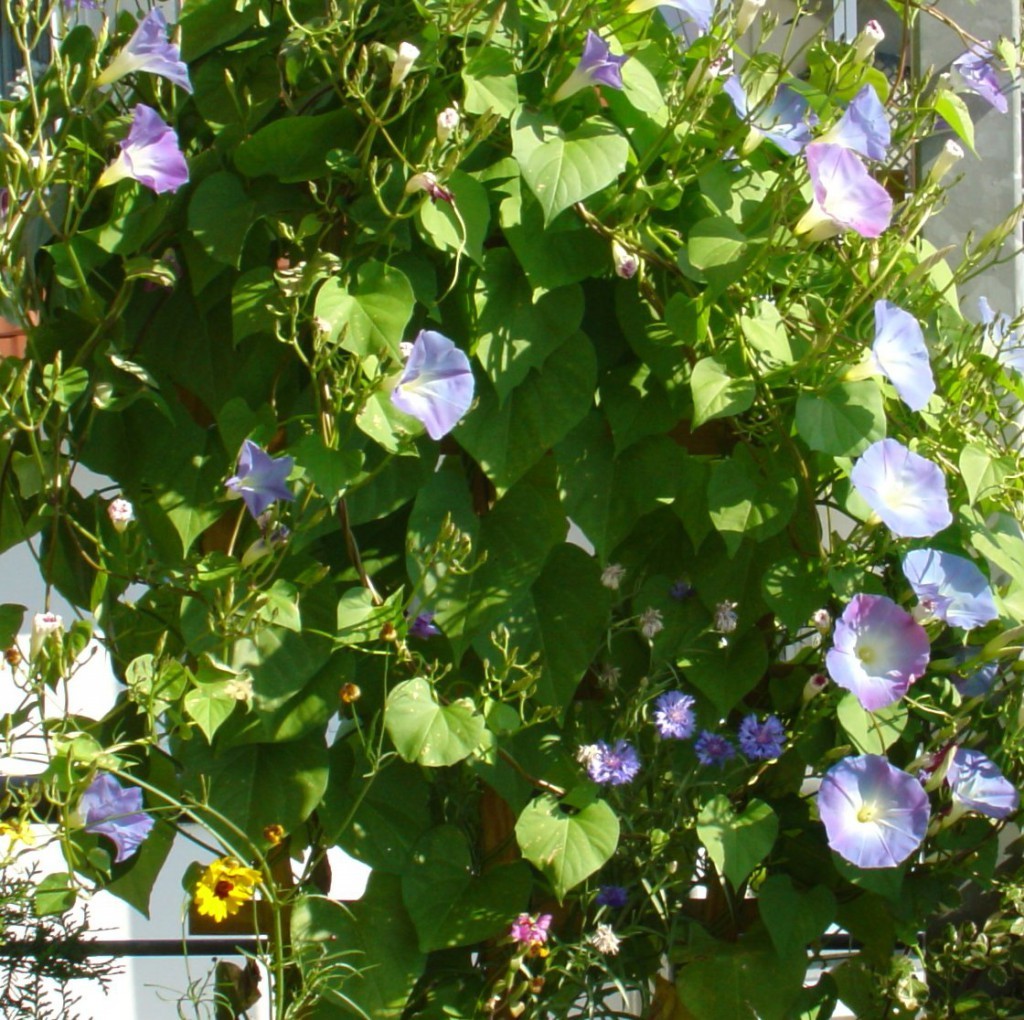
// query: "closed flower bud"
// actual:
[[447, 122], [749, 9], [867, 41], [626, 263], [44, 626], [428, 182], [350, 692], [822, 622], [121, 514], [951, 154], [404, 59], [814, 686]]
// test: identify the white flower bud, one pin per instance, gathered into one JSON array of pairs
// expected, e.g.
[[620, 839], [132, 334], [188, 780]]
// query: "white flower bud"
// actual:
[[951, 154], [404, 59], [447, 122], [626, 263], [44, 626], [749, 9], [867, 41], [822, 622], [121, 513]]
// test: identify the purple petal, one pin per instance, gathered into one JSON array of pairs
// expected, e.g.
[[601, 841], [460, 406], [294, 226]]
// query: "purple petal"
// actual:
[[899, 352], [597, 66], [613, 764], [878, 650], [437, 384], [260, 479], [875, 815], [150, 154], [907, 491], [110, 810], [845, 193], [689, 18], [673, 715], [785, 121], [952, 587], [149, 50], [760, 741], [864, 127], [978, 785], [978, 74], [423, 627]]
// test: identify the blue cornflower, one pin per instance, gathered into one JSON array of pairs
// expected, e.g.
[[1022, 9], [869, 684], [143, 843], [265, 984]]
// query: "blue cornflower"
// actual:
[[680, 591], [614, 896], [613, 765], [713, 749], [762, 740], [674, 716]]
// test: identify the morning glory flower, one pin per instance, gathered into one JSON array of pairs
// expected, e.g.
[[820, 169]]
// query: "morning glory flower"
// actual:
[[1007, 344], [423, 627], [846, 196], [977, 73], [784, 121], [673, 715], [900, 354], [260, 479], [613, 764], [691, 17], [875, 815], [907, 491], [867, 41], [712, 749], [864, 127], [749, 10], [978, 683], [950, 587], [436, 385], [149, 154], [762, 740], [112, 811], [44, 627], [149, 50], [597, 66], [878, 650], [977, 785]]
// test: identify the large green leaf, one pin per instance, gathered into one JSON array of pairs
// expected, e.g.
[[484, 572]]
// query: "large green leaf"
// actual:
[[794, 919], [220, 216], [794, 588], [843, 421], [567, 844], [562, 169], [717, 394], [427, 732], [726, 675], [871, 732], [296, 148], [452, 906], [490, 81], [459, 226], [737, 843]]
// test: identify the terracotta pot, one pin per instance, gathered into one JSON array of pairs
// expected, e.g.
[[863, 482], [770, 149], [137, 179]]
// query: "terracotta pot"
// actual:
[[12, 340]]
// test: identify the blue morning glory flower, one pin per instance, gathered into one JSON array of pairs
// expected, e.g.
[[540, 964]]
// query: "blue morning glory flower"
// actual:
[[673, 715], [597, 66], [907, 491], [977, 73], [900, 354], [112, 811], [785, 121], [149, 154], [692, 18], [762, 740], [950, 587], [149, 50], [260, 479], [863, 127], [977, 785], [1007, 345], [436, 385], [846, 196]]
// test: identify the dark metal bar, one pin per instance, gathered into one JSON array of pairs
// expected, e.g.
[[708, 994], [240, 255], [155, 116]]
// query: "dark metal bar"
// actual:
[[142, 947]]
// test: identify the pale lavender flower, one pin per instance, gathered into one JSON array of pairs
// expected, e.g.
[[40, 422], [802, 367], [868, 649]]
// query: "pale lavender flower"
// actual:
[[863, 127], [260, 479], [907, 491], [625, 262], [423, 626], [950, 588], [786, 121], [149, 50], [713, 749], [689, 18], [977, 785], [878, 651], [673, 715], [121, 513], [597, 66], [436, 385], [846, 196], [762, 740], [900, 354], [108, 809], [613, 896], [613, 764], [977, 73], [1006, 345], [149, 155], [875, 815]]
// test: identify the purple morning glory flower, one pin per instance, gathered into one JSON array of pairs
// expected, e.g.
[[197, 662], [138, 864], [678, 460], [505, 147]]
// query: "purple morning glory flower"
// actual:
[[907, 491], [1006, 344], [436, 385], [149, 154], [712, 749], [846, 196], [691, 18], [863, 127], [785, 121], [878, 650], [900, 354], [978, 683], [613, 765], [875, 815], [950, 587], [260, 479], [149, 50], [977, 72], [423, 627], [977, 785], [597, 66], [673, 715], [614, 896], [762, 740], [112, 811]]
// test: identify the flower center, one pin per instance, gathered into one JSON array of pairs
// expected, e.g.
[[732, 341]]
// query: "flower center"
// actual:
[[866, 653], [223, 889], [867, 812]]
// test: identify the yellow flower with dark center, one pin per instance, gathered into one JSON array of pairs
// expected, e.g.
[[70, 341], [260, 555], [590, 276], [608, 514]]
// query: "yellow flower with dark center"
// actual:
[[224, 888]]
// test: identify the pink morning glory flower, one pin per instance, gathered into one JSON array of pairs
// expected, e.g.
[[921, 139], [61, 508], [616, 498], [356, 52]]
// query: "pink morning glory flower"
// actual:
[[112, 811], [977, 73], [785, 121], [846, 196], [597, 66], [863, 127], [977, 785], [906, 490], [950, 588], [149, 50], [149, 154], [875, 815], [900, 354], [436, 385], [260, 479], [1007, 344], [878, 650]]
